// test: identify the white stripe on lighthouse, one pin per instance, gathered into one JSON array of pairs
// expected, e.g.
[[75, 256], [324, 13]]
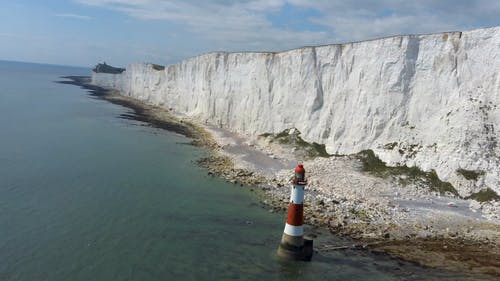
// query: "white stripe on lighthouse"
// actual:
[[297, 196], [293, 230]]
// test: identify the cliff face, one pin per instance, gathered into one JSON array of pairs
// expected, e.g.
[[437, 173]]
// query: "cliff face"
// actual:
[[426, 100]]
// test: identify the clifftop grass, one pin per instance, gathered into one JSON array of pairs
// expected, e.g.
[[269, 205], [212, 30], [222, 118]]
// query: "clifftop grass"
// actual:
[[158, 67]]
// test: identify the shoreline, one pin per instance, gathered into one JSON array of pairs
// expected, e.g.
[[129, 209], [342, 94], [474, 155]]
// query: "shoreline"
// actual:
[[381, 224]]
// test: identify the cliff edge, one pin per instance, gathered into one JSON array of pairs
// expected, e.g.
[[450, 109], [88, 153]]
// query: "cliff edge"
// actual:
[[431, 101]]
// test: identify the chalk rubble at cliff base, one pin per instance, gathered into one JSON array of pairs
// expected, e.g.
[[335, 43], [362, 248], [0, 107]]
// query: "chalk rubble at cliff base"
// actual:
[[344, 198]]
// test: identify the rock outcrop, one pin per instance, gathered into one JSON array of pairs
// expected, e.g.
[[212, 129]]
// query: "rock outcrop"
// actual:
[[431, 101]]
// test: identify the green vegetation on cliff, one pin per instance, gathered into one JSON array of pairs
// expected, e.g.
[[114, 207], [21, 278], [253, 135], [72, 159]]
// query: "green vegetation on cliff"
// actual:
[[292, 137], [407, 175]]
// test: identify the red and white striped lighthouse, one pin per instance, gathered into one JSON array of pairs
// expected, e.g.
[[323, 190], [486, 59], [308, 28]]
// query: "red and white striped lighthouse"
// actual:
[[293, 245]]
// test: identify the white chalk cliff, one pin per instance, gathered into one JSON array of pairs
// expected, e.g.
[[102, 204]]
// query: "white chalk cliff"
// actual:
[[427, 100]]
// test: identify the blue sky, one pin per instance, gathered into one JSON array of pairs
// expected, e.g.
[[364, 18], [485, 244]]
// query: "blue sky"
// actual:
[[84, 32]]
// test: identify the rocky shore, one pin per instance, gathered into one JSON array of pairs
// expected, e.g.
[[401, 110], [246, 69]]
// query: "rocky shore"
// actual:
[[406, 219]]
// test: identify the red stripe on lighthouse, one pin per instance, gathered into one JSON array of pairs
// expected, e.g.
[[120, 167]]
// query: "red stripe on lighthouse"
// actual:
[[295, 215]]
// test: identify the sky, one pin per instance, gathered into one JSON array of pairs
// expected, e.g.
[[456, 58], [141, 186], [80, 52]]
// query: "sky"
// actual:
[[84, 32]]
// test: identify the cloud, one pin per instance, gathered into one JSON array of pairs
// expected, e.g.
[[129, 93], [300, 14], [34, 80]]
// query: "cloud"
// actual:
[[11, 35], [74, 16], [239, 22], [243, 24], [24, 36], [365, 19]]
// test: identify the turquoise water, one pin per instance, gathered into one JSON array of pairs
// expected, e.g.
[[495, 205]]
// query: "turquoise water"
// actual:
[[85, 195]]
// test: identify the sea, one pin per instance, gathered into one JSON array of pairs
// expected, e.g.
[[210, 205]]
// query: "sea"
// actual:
[[88, 195]]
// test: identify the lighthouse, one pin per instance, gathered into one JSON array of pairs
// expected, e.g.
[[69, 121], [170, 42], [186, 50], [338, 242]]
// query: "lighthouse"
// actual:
[[293, 245]]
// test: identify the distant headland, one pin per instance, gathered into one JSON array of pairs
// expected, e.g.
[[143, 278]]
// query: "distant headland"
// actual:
[[105, 68]]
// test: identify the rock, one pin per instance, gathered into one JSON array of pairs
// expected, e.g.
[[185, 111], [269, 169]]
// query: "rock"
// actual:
[[474, 205]]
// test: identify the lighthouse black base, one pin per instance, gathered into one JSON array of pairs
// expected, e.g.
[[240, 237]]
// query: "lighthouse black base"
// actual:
[[299, 253]]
